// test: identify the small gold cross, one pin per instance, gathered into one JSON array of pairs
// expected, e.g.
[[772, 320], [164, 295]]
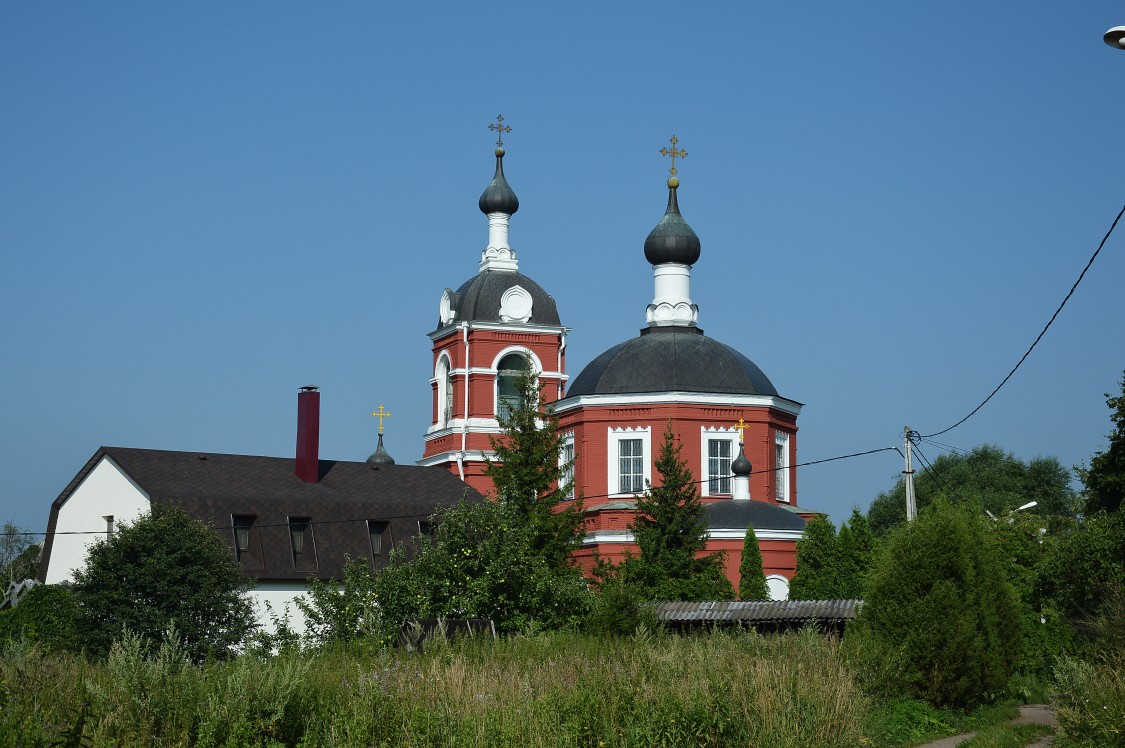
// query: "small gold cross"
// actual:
[[674, 154], [381, 414], [500, 128], [741, 426]]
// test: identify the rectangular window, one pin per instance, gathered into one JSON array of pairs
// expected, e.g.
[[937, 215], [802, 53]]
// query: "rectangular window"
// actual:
[[566, 465], [630, 460], [108, 526], [242, 524], [379, 536], [781, 467], [426, 529], [718, 466]]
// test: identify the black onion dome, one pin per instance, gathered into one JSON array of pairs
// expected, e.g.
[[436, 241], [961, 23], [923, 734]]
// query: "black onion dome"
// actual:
[[741, 466], [761, 515], [498, 197], [381, 456], [671, 359], [672, 240], [478, 299]]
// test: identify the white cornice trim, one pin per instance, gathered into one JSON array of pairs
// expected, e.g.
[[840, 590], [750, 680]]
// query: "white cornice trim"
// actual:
[[689, 398], [625, 536], [530, 329], [474, 425], [474, 455]]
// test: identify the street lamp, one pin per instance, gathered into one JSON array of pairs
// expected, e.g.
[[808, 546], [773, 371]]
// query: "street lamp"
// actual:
[[1115, 37]]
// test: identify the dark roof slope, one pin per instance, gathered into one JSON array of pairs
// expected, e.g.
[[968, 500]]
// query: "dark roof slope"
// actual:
[[755, 611], [671, 359], [760, 515], [216, 487], [478, 299]]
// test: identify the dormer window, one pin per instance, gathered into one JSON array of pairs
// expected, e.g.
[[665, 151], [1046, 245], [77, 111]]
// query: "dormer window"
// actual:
[[298, 529], [242, 524]]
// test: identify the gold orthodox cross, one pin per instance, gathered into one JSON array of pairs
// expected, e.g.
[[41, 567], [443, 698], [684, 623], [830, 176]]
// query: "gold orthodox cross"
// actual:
[[381, 414], [674, 154], [741, 426], [500, 128]]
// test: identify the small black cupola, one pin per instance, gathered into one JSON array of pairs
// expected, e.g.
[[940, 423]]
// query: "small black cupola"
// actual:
[[672, 240], [498, 197]]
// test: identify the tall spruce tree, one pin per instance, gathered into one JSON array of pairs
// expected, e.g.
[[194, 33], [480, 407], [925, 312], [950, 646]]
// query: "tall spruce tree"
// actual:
[[855, 554], [670, 528], [751, 576], [528, 478]]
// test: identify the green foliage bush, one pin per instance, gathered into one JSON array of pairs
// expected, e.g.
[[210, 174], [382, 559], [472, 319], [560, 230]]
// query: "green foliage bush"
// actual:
[[940, 609], [164, 570], [45, 615]]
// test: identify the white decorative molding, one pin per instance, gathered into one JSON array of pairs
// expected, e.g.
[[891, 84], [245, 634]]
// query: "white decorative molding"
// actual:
[[515, 305], [625, 536], [529, 329], [671, 302], [498, 255], [687, 398], [445, 307]]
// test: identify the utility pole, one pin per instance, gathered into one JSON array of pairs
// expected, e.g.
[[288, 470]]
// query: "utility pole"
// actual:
[[908, 473]]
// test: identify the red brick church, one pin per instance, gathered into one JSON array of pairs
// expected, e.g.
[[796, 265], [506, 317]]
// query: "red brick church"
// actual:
[[613, 414]]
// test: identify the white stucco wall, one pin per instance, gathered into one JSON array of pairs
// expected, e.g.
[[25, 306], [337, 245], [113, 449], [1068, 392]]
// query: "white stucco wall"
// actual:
[[106, 491], [278, 597]]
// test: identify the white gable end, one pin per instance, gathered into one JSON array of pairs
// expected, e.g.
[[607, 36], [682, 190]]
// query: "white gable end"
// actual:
[[107, 492]]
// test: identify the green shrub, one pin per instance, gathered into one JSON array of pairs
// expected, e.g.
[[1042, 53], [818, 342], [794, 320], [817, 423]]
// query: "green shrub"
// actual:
[[940, 608], [45, 615]]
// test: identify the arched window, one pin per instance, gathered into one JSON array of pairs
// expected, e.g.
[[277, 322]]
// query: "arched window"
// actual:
[[508, 373], [444, 392]]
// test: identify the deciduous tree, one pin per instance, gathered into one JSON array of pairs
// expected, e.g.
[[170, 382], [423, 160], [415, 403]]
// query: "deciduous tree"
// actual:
[[1104, 479], [164, 570]]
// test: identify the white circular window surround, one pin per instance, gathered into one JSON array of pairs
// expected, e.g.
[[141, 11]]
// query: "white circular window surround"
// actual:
[[515, 305], [445, 309]]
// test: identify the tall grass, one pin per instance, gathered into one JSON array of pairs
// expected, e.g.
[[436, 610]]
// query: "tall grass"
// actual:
[[539, 690]]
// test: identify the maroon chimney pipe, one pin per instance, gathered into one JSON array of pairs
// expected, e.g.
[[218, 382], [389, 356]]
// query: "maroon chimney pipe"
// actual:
[[308, 434]]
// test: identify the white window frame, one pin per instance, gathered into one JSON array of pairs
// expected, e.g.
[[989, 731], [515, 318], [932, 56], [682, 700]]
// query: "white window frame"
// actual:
[[566, 454], [715, 433], [536, 370], [781, 474], [443, 374], [618, 435]]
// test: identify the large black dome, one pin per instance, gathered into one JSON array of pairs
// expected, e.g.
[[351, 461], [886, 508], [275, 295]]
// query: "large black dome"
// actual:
[[671, 359], [480, 298]]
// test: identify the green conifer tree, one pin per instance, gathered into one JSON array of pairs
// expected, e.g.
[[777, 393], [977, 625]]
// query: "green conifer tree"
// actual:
[[855, 555], [751, 577], [670, 528], [817, 563], [529, 479]]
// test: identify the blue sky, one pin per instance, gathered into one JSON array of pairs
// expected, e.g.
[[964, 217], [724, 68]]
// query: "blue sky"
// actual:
[[206, 206]]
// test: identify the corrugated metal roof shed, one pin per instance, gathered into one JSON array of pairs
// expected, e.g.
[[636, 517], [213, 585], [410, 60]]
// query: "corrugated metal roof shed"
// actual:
[[758, 611]]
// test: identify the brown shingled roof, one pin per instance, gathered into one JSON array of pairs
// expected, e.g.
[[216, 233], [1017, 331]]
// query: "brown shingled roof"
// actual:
[[217, 487]]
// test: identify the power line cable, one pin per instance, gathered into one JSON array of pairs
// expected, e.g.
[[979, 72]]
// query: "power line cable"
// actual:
[[1042, 332]]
